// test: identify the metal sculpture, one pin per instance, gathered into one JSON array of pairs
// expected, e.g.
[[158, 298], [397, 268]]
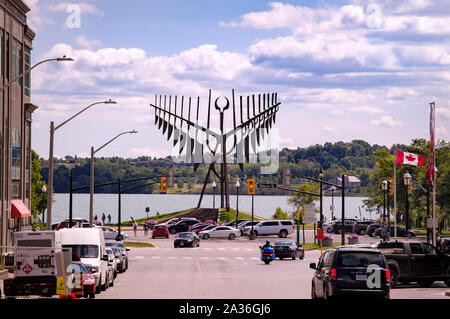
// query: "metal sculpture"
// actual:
[[249, 129]]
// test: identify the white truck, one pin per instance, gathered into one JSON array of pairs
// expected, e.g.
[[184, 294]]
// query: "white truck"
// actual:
[[38, 257]]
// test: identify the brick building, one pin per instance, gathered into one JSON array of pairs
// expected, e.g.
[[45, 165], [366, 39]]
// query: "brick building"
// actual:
[[16, 110]]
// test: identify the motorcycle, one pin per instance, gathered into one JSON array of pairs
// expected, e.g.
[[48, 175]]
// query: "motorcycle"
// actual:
[[267, 254]]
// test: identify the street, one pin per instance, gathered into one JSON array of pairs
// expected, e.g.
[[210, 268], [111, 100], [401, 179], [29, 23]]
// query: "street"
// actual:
[[220, 269]]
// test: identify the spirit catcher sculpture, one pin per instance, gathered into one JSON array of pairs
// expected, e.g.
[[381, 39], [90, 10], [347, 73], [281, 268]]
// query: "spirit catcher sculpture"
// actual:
[[249, 128]]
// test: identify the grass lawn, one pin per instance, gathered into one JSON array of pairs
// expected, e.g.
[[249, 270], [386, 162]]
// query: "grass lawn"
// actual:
[[312, 246], [231, 215], [138, 245]]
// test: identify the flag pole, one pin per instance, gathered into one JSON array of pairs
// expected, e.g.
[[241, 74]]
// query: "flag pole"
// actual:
[[395, 192], [434, 175]]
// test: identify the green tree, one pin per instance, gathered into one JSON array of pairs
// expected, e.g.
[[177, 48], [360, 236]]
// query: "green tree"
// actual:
[[280, 214], [38, 197], [298, 199]]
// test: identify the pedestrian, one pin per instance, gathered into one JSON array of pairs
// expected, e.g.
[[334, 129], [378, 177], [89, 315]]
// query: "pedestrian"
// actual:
[[109, 219], [103, 218], [96, 217], [438, 242], [135, 227], [145, 229]]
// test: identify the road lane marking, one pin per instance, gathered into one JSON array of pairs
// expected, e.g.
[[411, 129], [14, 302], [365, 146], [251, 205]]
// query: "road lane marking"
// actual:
[[172, 257], [236, 249], [222, 258], [139, 257], [190, 258], [221, 248], [249, 249], [207, 248], [204, 257], [156, 257]]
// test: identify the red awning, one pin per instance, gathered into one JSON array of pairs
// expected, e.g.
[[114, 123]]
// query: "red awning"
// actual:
[[19, 209]]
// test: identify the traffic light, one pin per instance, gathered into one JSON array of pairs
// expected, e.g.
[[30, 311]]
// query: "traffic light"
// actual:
[[251, 186], [391, 187], [163, 185]]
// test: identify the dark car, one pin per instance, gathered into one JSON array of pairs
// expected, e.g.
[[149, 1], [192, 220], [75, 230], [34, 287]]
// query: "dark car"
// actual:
[[348, 226], [446, 246], [233, 222], [371, 229], [182, 225], [288, 249], [360, 228], [187, 239], [359, 272], [401, 232], [208, 227]]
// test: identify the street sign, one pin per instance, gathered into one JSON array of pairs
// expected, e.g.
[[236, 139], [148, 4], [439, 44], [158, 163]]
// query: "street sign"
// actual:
[[310, 214], [430, 223], [320, 235]]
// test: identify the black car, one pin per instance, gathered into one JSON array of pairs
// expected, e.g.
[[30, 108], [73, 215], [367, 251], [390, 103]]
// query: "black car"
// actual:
[[360, 228], [371, 229], [401, 232], [187, 239], [288, 249], [446, 246], [351, 271], [233, 222], [182, 225]]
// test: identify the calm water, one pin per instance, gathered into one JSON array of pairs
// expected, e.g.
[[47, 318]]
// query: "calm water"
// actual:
[[133, 205]]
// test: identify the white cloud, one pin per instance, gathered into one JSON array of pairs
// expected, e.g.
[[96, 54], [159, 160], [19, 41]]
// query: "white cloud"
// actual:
[[84, 6], [366, 109], [37, 17], [146, 151], [86, 43], [443, 111], [329, 129], [386, 121]]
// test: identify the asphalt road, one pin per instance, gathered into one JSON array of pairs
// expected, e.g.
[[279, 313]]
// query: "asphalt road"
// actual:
[[220, 268]]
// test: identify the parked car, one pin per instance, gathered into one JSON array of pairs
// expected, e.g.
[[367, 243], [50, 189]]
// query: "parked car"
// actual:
[[345, 271], [446, 245], [84, 282], [288, 249], [220, 232], [112, 261], [418, 262], [121, 246], [360, 227], [89, 244], [120, 258], [201, 225], [76, 222], [244, 224], [111, 233], [182, 225], [233, 222], [160, 231], [348, 226], [198, 230], [401, 232], [370, 230], [171, 222], [186, 239], [272, 227], [328, 227]]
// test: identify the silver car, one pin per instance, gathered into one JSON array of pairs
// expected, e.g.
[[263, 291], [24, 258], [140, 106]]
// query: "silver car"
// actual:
[[111, 233]]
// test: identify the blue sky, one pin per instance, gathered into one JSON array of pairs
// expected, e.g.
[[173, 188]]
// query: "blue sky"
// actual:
[[344, 70]]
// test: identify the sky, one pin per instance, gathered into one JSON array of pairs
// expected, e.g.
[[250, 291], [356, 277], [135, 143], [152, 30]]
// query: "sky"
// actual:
[[343, 70]]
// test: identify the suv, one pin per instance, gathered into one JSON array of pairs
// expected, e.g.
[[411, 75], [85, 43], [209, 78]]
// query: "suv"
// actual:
[[351, 271], [360, 227], [348, 226], [182, 225], [271, 227]]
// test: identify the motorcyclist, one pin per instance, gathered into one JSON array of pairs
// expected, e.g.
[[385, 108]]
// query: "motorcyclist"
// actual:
[[267, 244]]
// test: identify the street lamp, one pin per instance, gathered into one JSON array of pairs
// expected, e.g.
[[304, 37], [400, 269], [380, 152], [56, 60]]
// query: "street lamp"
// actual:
[[64, 58], [407, 182], [321, 196], [333, 189], [91, 199], [44, 190], [214, 193], [237, 200], [50, 158], [384, 187]]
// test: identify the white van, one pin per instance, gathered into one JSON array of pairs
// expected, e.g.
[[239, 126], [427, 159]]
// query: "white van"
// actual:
[[89, 244]]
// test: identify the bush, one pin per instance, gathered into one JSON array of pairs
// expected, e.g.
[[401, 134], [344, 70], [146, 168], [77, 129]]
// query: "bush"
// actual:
[[280, 214]]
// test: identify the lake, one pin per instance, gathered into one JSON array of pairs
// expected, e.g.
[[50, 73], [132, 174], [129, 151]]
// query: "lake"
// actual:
[[133, 205]]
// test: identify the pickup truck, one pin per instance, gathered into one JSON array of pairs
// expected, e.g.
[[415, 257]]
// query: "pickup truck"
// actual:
[[411, 261]]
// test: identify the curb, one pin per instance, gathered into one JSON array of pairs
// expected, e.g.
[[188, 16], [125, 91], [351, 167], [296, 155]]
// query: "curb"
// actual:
[[447, 293]]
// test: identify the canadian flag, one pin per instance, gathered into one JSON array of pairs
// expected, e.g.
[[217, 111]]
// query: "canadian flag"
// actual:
[[410, 159]]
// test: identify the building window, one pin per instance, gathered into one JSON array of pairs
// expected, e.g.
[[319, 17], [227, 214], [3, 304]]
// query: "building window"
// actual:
[[27, 85], [1, 53], [16, 62], [15, 167], [27, 159]]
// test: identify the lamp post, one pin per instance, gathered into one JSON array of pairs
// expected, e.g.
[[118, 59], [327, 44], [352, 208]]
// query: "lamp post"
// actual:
[[384, 187], [64, 58], [50, 159], [321, 197], [333, 189], [237, 201], [407, 182], [44, 190], [93, 152], [214, 193]]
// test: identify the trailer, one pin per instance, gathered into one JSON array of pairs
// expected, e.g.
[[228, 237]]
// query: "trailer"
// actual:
[[40, 264]]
